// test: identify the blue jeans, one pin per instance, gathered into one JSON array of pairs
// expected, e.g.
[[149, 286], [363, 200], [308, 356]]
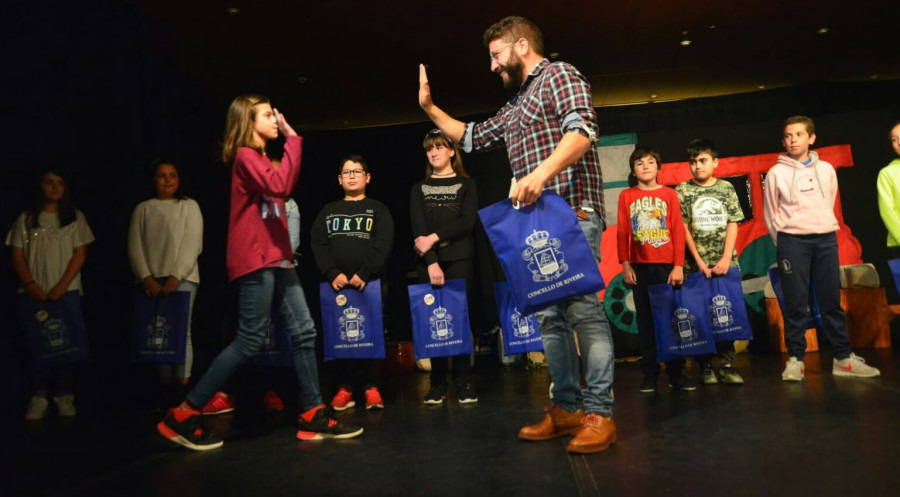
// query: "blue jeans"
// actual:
[[584, 314], [256, 293]]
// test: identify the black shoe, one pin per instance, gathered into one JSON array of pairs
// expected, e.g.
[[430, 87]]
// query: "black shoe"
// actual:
[[681, 383], [188, 431], [465, 393], [649, 384], [435, 395], [323, 425]]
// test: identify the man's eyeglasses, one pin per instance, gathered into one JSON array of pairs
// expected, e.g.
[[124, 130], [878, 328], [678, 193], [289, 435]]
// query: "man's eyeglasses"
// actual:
[[353, 172], [497, 53]]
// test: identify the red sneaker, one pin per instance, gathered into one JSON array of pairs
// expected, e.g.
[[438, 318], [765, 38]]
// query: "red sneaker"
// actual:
[[184, 428], [220, 404], [318, 423], [273, 402], [373, 399], [342, 400]]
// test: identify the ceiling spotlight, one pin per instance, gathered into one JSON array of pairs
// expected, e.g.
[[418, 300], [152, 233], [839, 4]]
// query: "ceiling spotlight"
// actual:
[[762, 87], [685, 41], [822, 30], [874, 76], [554, 55], [302, 80], [653, 95], [233, 11], [712, 26]]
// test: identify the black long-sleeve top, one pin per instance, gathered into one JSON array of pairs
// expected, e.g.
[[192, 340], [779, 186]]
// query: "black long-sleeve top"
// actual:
[[352, 237], [446, 207]]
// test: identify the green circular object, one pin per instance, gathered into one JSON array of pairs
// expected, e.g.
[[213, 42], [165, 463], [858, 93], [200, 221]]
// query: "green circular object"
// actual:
[[619, 306]]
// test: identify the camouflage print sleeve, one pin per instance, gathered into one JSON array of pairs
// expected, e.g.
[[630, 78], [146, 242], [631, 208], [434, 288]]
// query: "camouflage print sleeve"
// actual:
[[733, 204], [682, 190]]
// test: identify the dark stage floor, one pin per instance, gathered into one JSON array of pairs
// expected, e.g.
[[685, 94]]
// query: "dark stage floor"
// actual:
[[825, 436]]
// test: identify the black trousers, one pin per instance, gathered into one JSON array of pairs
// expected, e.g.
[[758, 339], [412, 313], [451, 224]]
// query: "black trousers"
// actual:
[[805, 257], [650, 274]]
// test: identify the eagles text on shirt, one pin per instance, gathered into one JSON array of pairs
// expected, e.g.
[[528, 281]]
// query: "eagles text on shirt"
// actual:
[[648, 221]]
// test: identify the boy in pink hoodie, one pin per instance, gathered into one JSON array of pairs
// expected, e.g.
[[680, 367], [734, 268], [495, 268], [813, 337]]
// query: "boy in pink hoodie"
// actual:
[[799, 211]]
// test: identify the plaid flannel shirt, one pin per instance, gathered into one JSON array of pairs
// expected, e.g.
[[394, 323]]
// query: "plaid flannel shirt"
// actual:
[[555, 99]]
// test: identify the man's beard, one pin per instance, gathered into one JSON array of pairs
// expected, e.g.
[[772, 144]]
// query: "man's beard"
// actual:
[[513, 69]]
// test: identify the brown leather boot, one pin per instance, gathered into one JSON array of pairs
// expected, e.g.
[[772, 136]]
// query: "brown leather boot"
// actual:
[[556, 423], [596, 435]]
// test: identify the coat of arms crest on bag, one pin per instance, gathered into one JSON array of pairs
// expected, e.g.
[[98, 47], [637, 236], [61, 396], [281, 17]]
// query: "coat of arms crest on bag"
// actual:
[[523, 326], [685, 325], [441, 324], [545, 261], [352, 325], [158, 333], [56, 334], [720, 311]]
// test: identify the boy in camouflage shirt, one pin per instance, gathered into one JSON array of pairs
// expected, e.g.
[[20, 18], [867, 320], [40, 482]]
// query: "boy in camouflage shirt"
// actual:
[[711, 211]]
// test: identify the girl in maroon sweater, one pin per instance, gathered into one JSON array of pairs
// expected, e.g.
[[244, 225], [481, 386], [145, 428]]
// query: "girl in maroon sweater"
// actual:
[[259, 262]]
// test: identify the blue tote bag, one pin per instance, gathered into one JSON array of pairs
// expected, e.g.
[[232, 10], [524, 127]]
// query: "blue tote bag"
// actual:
[[814, 315], [894, 264], [352, 324], [276, 349], [160, 331], [440, 320], [681, 319], [521, 333], [727, 312], [54, 330], [543, 251]]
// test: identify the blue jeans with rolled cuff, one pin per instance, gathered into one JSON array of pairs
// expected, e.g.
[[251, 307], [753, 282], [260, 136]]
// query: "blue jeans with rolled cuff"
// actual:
[[585, 315], [257, 292]]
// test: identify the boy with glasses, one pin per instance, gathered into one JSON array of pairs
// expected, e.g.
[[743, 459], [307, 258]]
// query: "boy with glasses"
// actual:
[[351, 240]]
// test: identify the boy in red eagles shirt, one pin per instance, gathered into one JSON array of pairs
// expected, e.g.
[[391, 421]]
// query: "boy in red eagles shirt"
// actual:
[[651, 250]]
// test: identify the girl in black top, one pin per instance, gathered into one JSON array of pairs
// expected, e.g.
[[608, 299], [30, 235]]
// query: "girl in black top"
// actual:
[[442, 210]]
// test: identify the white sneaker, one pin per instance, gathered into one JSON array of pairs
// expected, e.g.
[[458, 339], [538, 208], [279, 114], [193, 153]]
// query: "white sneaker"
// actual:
[[854, 366], [37, 408], [730, 376], [65, 405], [709, 375], [793, 370]]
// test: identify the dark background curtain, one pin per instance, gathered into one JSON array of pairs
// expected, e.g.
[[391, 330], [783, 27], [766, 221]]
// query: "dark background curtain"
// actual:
[[112, 99]]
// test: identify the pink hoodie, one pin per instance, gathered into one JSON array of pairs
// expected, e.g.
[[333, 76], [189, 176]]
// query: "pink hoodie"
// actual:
[[800, 199]]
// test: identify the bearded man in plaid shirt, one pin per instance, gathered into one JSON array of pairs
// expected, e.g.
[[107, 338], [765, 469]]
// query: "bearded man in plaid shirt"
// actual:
[[549, 129]]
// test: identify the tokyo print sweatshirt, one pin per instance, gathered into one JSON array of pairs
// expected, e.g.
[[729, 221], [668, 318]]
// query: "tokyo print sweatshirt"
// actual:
[[352, 237]]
